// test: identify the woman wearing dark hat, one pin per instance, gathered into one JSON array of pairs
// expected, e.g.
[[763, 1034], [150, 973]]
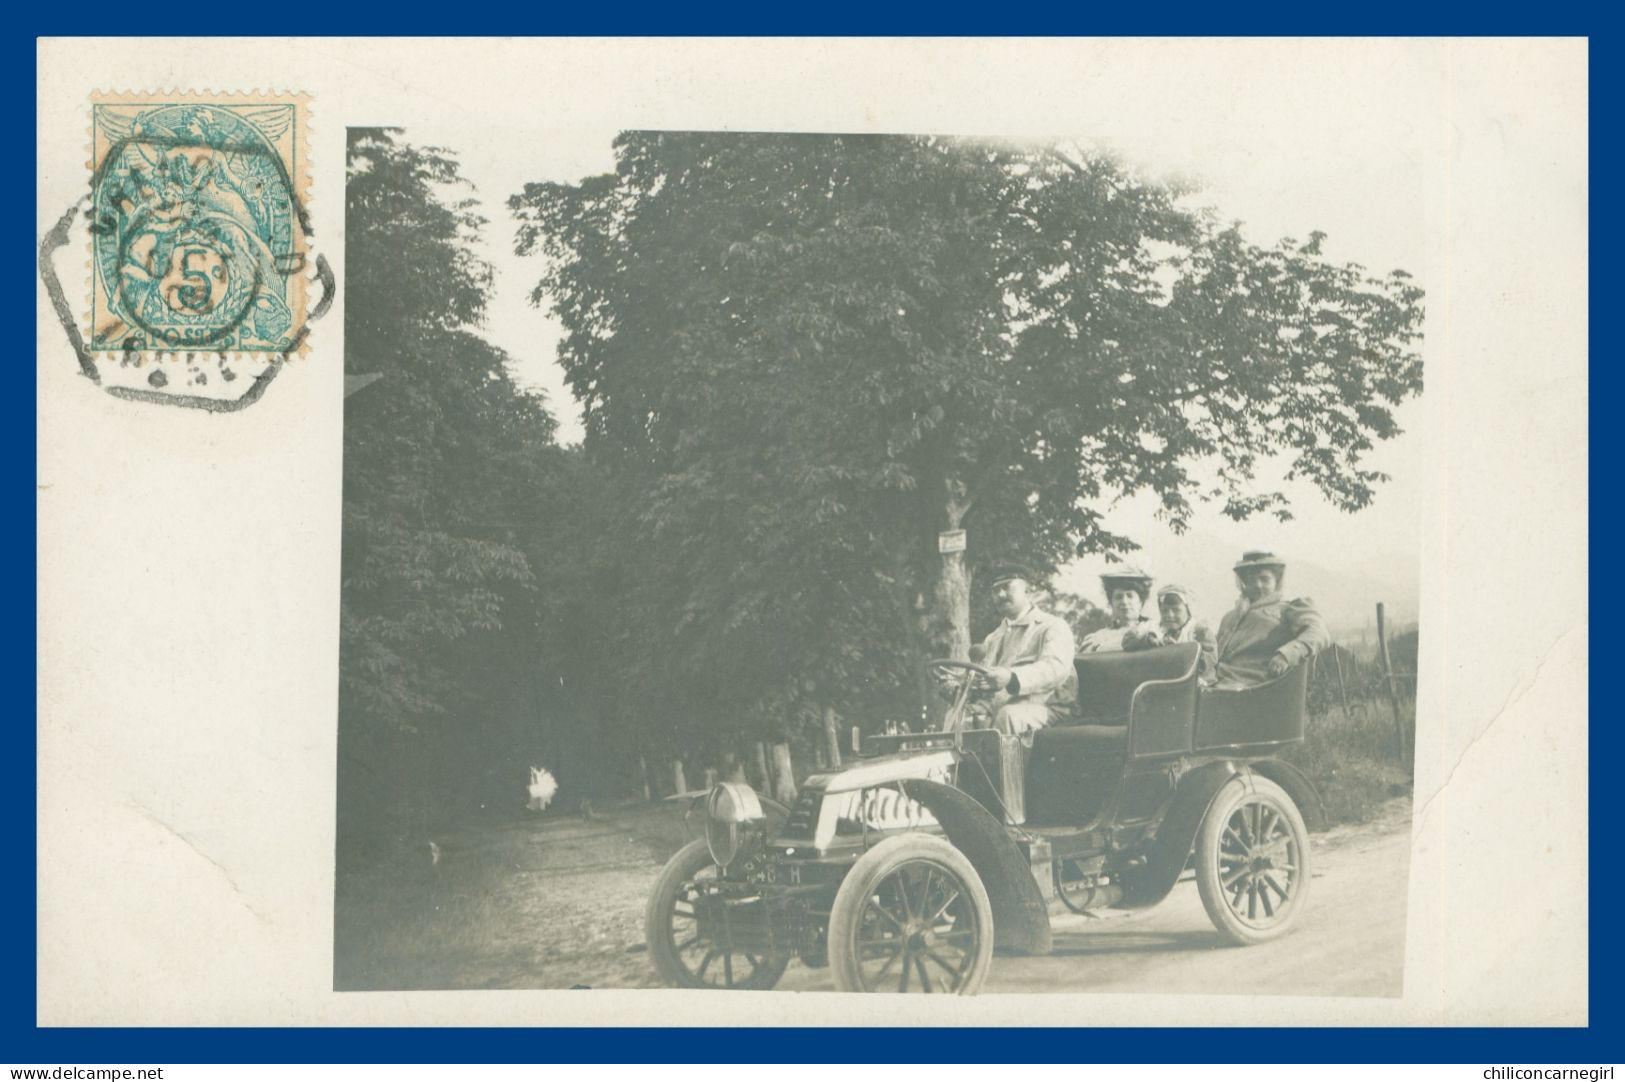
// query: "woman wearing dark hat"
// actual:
[[1127, 590], [1264, 635]]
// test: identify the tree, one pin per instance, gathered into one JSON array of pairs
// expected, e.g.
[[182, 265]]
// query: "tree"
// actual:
[[813, 353], [435, 453]]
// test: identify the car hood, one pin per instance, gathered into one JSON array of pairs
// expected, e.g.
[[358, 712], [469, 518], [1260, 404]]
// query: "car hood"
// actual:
[[935, 764]]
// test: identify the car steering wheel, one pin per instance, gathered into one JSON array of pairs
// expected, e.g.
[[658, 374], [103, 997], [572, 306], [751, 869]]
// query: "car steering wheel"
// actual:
[[954, 718]]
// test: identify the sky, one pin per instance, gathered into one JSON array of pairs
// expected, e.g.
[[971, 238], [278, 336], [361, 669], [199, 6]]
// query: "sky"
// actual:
[[1359, 187]]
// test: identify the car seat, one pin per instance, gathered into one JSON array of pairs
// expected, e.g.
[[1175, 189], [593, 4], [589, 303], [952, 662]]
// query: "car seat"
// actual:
[[1075, 765]]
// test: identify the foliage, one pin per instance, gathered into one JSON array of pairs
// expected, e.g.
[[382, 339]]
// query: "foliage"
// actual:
[[448, 467], [1352, 752], [807, 354], [1363, 678], [1081, 615]]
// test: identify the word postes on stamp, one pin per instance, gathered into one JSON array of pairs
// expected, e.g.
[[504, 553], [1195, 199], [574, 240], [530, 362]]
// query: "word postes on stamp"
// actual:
[[199, 235], [197, 239]]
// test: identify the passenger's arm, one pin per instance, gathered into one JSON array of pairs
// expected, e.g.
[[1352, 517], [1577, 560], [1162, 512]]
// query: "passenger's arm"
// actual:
[[1309, 634], [1207, 664], [1053, 665]]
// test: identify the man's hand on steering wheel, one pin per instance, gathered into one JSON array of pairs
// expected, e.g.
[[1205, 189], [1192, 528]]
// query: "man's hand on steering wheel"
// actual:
[[953, 673], [963, 678], [995, 679]]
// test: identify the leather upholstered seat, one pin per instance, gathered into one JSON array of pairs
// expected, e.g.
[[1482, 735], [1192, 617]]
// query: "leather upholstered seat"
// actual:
[[1107, 681], [1076, 765], [1097, 739]]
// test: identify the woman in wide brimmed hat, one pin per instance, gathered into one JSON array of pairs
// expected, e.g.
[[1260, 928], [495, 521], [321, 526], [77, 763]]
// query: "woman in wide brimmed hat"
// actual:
[[1264, 635], [1127, 590]]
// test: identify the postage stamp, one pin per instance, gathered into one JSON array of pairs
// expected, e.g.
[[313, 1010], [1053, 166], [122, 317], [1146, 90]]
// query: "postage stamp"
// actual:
[[198, 224]]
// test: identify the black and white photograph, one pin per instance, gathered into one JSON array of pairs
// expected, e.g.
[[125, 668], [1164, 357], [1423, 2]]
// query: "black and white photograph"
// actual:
[[879, 563], [1095, 527]]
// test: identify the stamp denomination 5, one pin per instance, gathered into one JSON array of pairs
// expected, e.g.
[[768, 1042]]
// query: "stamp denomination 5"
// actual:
[[197, 238], [199, 234]]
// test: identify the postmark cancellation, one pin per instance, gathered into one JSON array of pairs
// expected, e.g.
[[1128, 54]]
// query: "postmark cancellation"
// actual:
[[199, 224]]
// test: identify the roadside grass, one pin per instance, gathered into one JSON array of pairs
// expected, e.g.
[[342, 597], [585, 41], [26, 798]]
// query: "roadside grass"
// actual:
[[1353, 759]]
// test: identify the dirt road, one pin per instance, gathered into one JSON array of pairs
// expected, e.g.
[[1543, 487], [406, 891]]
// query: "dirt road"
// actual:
[[558, 903], [1349, 942]]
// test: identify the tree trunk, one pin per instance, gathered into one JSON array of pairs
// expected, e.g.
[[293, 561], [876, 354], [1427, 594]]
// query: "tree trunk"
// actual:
[[914, 625], [950, 596], [643, 779], [709, 778], [732, 769], [763, 780], [832, 738], [952, 608], [947, 623], [679, 784], [784, 778]]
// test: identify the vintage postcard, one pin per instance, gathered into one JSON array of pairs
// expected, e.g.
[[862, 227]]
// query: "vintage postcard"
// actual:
[[741, 526]]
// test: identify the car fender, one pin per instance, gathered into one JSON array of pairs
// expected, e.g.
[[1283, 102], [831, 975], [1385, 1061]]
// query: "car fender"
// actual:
[[1299, 788], [1148, 883], [1020, 915]]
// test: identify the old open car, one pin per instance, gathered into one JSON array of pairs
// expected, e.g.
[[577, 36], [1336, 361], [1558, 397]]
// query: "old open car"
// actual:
[[904, 869]]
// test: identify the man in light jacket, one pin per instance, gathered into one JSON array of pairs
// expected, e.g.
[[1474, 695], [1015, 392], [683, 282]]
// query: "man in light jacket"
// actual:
[[1030, 655], [1265, 635]]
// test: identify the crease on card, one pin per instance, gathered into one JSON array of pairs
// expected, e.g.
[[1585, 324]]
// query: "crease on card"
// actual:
[[1513, 697], [225, 873]]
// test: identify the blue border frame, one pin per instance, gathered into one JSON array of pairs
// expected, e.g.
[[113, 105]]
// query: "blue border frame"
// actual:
[[22, 1042]]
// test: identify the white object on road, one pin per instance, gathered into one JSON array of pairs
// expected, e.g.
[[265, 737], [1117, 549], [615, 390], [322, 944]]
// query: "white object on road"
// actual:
[[542, 788]]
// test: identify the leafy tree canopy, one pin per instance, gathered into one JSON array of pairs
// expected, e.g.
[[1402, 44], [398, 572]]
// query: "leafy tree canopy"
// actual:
[[811, 353]]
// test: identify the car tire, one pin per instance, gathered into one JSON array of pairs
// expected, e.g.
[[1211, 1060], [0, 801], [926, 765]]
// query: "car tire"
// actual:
[[913, 899], [681, 956], [1253, 861]]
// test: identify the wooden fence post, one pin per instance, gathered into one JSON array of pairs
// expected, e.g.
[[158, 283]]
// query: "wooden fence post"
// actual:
[[1342, 688], [1388, 678]]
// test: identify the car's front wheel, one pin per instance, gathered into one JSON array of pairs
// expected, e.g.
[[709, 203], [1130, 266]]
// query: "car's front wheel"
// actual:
[[911, 916], [683, 953], [1252, 861]]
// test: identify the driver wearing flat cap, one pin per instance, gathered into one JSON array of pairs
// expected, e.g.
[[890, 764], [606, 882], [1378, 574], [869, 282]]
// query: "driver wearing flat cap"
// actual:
[[1030, 656]]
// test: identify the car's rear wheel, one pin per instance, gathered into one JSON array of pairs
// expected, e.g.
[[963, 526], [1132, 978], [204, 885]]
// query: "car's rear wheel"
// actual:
[[1252, 861], [911, 916], [683, 954]]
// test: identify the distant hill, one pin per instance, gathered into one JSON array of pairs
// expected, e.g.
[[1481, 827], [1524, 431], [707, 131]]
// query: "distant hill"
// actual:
[[1345, 591]]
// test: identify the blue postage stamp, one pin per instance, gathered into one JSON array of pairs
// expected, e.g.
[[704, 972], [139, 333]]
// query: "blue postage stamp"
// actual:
[[198, 227]]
